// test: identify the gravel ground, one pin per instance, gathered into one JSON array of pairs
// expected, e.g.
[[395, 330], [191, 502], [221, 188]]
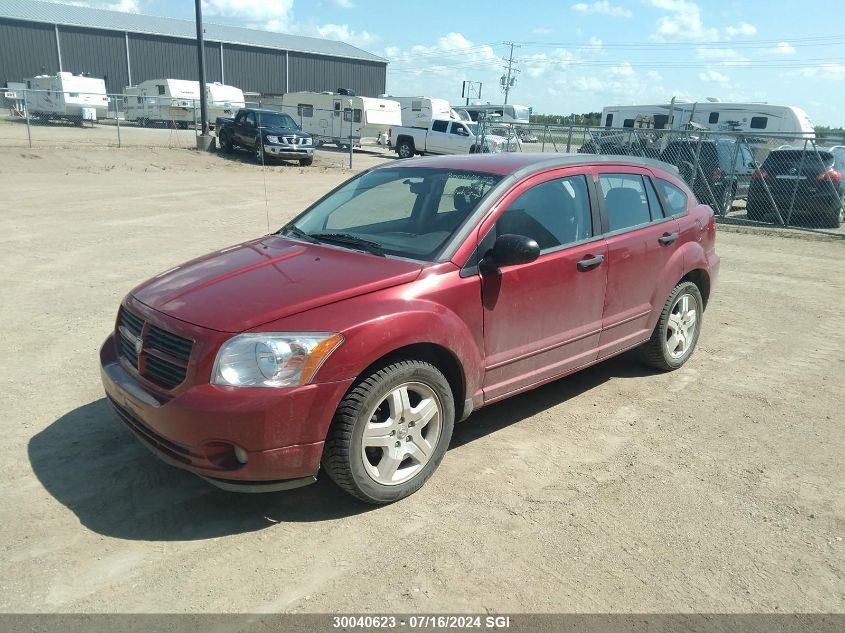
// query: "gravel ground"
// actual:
[[716, 488]]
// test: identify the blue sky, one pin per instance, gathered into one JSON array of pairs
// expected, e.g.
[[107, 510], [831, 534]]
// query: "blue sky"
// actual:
[[574, 56]]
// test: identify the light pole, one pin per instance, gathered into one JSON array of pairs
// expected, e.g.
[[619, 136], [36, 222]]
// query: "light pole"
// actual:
[[204, 140]]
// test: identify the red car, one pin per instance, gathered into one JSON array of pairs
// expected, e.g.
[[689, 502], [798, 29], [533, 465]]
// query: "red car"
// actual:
[[411, 295]]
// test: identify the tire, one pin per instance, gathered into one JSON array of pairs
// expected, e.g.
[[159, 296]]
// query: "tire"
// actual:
[[405, 149], [226, 142], [754, 212], [674, 317], [833, 218], [306, 162], [386, 470], [258, 154]]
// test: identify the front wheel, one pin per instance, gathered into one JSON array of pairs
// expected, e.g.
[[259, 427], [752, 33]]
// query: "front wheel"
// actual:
[[676, 333], [306, 162], [226, 142], [258, 154], [390, 432]]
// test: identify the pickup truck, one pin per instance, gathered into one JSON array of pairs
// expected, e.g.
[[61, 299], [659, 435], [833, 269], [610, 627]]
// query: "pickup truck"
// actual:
[[267, 134], [443, 136]]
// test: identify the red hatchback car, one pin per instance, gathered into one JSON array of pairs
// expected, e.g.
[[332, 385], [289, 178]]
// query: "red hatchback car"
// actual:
[[411, 295]]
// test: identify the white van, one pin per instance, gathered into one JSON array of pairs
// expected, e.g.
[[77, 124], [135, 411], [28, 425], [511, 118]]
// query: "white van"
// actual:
[[421, 111], [177, 101], [753, 118], [333, 118], [66, 96]]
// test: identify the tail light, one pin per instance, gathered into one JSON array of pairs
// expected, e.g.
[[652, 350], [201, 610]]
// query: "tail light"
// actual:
[[717, 174], [831, 175], [759, 174]]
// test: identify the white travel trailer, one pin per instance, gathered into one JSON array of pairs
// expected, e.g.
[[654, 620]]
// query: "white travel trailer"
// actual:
[[332, 118], [421, 111], [177, 101], [753, 118], [66, 96], [510, 113]]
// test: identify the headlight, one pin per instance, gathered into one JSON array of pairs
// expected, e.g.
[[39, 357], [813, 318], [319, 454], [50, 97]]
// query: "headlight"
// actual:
[[273, 359], [272, 139], [306, 141]]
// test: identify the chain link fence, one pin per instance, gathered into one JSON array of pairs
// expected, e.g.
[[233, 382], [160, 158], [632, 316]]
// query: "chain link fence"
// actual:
[[42, 118], [786, 180]]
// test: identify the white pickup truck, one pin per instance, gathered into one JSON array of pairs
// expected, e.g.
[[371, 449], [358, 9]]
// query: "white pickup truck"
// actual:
[[444, 136]]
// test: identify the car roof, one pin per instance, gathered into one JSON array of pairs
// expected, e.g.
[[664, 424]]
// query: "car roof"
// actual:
[[522, 164]]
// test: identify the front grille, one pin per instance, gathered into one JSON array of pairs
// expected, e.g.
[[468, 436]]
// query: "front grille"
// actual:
[[163, 357]]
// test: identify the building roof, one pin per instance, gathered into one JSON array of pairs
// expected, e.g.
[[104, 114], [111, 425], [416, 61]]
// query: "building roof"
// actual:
[[71, 15]]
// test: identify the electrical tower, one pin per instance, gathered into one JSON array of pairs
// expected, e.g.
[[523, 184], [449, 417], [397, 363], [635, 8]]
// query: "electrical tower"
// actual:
[[509, 80]]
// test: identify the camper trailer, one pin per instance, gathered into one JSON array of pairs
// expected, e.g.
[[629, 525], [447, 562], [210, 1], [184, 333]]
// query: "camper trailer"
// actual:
[[420, 111], [66, 96], [334, 117], [753, 118], [177, 101], [502, 113]]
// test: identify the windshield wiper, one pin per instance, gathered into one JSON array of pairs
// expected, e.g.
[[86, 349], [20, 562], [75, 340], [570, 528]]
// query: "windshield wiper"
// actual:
[[297, 232], [351, 240]]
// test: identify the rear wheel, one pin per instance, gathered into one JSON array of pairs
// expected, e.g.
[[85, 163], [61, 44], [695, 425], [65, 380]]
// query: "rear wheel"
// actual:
[[390, 432], [676, 333], [833, 218], [405, 148]]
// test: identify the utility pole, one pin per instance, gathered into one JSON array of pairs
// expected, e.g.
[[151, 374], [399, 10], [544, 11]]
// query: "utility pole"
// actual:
[[509, 80], [203, 140]]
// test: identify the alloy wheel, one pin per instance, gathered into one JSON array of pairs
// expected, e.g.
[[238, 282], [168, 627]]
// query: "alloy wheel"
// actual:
[[680, 328]]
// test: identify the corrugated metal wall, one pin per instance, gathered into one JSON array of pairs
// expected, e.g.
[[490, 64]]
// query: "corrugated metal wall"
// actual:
[[26, 49], [318, 73], [254, 69], [98, 53]]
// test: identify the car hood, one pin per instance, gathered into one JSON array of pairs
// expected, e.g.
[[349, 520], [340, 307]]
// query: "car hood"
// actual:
[[285, 131], [260, 281]]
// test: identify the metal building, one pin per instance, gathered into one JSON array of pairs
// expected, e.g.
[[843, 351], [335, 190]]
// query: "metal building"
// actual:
[[125, 49]]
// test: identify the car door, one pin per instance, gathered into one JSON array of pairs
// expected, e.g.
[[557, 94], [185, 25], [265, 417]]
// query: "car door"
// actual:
[[543, 319], [459, 138], [246, 130], [641, 244], [437, 141]]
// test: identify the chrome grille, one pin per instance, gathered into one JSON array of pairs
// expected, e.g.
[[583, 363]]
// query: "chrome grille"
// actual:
[[163, 357]]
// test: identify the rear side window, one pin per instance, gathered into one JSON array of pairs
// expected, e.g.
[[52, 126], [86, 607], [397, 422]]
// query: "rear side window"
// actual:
[[675, 199], [653, 201], [439, 126], [625, 200], [554, 213], [759, 122]]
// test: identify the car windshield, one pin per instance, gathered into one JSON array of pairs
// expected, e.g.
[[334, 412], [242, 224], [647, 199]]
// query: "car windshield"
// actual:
[[275, 119], [402, 211]]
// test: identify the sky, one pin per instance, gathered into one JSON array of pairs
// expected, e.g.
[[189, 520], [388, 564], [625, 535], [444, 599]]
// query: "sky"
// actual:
[[573, 56]]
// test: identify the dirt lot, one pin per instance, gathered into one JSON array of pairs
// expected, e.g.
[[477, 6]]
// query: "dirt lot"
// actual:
[[716, 488]]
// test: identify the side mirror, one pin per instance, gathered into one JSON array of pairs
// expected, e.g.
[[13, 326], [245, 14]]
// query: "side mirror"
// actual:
[[510, 250]]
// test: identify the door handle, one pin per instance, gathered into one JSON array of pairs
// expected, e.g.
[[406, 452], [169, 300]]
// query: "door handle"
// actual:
[[667, 238], [588, 263]]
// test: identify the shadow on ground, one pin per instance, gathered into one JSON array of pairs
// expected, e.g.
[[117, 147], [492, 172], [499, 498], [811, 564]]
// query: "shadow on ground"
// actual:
[[95, 467]]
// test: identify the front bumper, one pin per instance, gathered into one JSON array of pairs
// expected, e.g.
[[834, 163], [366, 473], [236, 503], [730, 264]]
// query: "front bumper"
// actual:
[[244, 439], [288, 152]]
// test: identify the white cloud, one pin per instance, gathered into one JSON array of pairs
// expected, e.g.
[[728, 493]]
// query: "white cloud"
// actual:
[[834, 72], [743, 28], [713, 76], [343, 33], [684, 22], [126, 6], [783, 48], [252, 10], [724, 56], [343, 4], [541, 30], [603, 7]]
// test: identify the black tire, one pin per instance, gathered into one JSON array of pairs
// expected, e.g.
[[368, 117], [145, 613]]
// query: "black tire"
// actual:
[[343, 459], [833, 218], [306, 162], [753, 211], [258, 154], [226, 142], [405, 149], [654, 352]]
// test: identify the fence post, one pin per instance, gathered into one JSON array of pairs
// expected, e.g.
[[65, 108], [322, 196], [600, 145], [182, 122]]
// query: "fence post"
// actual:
[[117, 121], [569, 140], [696, 161], [795, 186], [26, 113], [194, 101]]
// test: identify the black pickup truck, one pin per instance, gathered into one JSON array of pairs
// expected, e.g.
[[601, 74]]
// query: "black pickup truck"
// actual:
[[267, 134]]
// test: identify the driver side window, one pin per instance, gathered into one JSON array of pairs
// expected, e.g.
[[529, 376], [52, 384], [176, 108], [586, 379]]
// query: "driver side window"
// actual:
[[554, 213], [249, 119]]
